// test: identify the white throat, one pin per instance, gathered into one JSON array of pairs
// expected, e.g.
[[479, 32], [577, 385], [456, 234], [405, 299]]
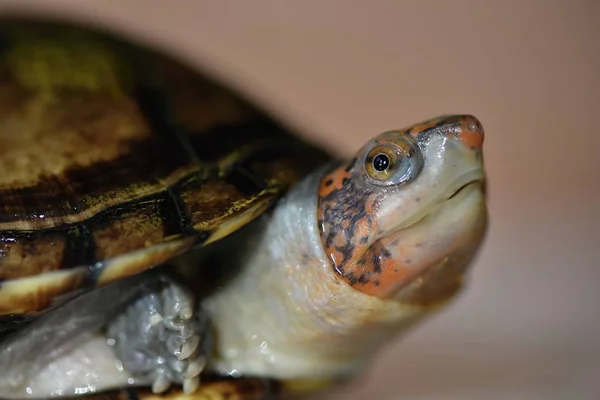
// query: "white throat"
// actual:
[[287, 315]]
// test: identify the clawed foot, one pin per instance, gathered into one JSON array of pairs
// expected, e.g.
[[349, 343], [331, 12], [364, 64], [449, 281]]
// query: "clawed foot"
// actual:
[[162, 338]]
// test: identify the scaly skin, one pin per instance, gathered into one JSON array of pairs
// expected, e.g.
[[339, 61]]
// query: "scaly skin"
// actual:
[[351, 257], [346, 261], [362, 221]]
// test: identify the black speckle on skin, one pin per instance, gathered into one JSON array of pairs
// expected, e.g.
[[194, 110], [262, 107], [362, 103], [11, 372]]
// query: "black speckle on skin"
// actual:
[[385, 253], [376, 283], [425, 135], [364, 278], [417, 199], [344, 210], [407, 261], [329, 182], [376, 260], [396, 270], [344, 216]]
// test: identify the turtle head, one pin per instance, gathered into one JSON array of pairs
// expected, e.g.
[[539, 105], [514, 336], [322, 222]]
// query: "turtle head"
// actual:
[[404, 218]]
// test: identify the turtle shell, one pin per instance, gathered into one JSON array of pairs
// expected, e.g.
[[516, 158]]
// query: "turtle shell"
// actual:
[[115, 158]]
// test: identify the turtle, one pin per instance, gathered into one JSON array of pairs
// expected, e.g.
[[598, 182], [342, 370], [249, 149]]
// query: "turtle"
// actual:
[[161, 235]]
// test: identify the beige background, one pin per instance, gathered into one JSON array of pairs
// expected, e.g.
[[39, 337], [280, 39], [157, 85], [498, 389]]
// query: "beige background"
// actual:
[[528, 327]]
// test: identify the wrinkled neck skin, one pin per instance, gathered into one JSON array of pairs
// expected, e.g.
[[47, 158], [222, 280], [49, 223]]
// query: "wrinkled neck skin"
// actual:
[[355, 254], [288, 314]]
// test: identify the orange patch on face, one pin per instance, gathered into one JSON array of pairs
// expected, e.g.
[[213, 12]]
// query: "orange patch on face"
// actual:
[[345, 221], [333, 181], [416, 130], [346, 226], [470, 132], [393, 275], [362, 246], [472, 139]]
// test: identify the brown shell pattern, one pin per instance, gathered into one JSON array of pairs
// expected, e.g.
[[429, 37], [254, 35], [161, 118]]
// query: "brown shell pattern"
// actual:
[[115, 158]]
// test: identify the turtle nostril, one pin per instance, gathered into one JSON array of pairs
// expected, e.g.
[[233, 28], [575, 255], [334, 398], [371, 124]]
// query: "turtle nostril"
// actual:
[[471, 133]]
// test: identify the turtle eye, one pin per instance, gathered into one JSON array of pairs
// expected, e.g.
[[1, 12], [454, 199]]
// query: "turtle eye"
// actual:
[[392, 163]]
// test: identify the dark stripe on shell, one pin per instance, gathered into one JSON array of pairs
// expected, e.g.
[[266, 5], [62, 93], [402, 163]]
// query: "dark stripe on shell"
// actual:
[[81, 188], [92, 276], [224, 140], [155, 107], [115, 231], [244, 180], [160, 160], [176, 220], [149, 220], [79, 247]]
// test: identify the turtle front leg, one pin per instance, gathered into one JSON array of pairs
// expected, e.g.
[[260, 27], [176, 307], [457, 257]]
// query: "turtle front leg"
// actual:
[[162, 338]]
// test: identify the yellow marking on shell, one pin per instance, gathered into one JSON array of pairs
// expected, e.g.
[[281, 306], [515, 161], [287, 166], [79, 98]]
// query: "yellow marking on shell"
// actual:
[[36, 293], [46, 65], [26, 256], [265, 199], [142, 225], [41, 137], [230, 225], [102, 200], [141, 260]]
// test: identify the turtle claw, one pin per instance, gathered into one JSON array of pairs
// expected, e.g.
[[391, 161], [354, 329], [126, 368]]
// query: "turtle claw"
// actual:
[[162, 338], [195, 368], [191, 385], [161, 384], [188, 348]]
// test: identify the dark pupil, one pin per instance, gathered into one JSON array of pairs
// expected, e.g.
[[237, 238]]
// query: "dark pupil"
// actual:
[[381, 162]]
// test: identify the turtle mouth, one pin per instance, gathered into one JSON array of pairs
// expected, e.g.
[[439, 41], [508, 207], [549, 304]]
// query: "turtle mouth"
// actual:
[[460, 194], [438, 239], [455, 193], [460, 189], [462, 211], [461, 184]]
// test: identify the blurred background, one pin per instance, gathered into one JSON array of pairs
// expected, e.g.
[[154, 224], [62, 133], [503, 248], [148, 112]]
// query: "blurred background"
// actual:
[[528, 325]]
